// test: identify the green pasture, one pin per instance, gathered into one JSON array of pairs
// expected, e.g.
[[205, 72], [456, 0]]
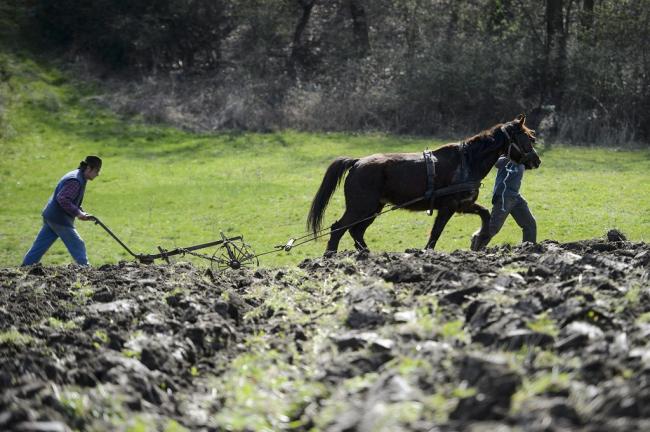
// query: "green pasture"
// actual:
[[163, 186]]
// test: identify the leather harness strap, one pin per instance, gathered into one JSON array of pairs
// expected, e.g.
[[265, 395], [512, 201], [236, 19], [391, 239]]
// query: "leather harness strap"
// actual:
[[430, 161], [431, 193], [456, 188]]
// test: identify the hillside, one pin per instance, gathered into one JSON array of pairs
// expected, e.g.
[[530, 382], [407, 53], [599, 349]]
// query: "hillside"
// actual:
[[539, 337]]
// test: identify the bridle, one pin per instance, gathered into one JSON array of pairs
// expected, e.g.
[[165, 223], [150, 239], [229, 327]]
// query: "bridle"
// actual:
[[512, 142]]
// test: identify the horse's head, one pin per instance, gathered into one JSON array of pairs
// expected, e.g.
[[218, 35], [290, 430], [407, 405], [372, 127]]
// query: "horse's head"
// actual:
[[519, 143]]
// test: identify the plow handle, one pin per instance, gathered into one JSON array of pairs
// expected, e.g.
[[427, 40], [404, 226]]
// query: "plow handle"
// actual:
[[101, 224]]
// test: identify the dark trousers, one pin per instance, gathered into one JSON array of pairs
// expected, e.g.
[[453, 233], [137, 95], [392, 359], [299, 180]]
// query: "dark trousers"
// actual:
[[517, 207]]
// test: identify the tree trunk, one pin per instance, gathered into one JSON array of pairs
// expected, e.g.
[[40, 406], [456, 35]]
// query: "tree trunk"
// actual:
[[298, 50], [555, 53], [360, 28], [587, 16]]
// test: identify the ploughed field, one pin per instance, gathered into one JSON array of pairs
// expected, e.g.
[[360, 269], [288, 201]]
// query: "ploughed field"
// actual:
[[537, 337]]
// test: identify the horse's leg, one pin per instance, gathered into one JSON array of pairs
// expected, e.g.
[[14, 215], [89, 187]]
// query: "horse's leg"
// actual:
[[335, 236], [443, 216], [350, 216], [357, 231], [481, 238]]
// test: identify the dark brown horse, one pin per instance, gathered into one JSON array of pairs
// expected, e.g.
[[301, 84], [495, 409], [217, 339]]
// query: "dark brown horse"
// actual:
[[401, 179]]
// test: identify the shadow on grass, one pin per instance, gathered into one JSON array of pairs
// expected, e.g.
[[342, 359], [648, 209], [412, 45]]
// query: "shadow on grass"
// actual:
[[133, 137]]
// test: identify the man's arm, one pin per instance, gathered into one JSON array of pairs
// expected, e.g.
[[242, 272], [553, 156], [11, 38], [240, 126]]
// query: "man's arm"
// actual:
[[66, 197], [501, 162]]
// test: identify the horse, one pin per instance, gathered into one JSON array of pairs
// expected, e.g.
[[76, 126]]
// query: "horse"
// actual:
[[404, 180]]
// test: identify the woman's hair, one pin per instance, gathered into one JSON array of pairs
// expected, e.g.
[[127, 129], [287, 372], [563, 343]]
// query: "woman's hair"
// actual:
[[90, 161]]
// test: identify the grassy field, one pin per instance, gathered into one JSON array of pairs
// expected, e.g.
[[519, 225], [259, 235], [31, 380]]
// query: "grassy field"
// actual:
[[162, 186]]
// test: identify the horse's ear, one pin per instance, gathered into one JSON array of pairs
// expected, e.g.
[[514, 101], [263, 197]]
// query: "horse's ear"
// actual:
[[521, 118]]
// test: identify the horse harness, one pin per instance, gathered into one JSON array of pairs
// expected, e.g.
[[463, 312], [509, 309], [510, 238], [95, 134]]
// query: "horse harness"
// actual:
[[512, 142], [430, 161], [432, 193]]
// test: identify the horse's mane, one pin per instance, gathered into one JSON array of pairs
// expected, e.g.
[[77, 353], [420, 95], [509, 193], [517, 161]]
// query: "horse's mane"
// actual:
[[489, 133]]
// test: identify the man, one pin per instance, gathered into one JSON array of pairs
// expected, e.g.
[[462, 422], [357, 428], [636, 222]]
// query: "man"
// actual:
[[506, 200], [60, 212]]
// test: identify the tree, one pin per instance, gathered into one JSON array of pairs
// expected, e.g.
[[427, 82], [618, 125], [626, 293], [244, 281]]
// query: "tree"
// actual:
[[359, 28], [555, 53], [299, 51]]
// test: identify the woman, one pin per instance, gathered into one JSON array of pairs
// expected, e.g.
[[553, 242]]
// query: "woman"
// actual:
[[60, 212]]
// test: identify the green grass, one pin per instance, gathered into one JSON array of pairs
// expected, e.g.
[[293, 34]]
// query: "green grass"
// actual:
[[163, 186], [544, 324], [14, 337], [546, 382]]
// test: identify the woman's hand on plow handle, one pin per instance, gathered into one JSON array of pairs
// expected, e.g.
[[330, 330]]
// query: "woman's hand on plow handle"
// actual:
[[86, 217]]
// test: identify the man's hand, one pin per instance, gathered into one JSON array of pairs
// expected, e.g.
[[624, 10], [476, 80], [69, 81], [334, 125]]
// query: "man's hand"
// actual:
[[86, 216]]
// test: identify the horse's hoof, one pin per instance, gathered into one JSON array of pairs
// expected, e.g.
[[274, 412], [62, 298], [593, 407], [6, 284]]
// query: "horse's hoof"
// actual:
[[478, 242], [329, 254], [474, 243]]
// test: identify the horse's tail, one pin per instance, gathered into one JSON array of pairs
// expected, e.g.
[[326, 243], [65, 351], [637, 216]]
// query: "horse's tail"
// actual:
[[333, 176]]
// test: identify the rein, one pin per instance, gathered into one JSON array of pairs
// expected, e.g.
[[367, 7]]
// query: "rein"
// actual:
[[511, 142]]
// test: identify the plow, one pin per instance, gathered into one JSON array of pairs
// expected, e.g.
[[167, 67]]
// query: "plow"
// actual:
[[230, 253]]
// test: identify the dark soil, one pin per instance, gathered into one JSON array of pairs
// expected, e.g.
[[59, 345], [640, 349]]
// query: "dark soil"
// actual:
[[537, 337]]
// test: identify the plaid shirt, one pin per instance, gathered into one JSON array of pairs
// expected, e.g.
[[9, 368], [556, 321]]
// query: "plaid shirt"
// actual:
[[66, 197]]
